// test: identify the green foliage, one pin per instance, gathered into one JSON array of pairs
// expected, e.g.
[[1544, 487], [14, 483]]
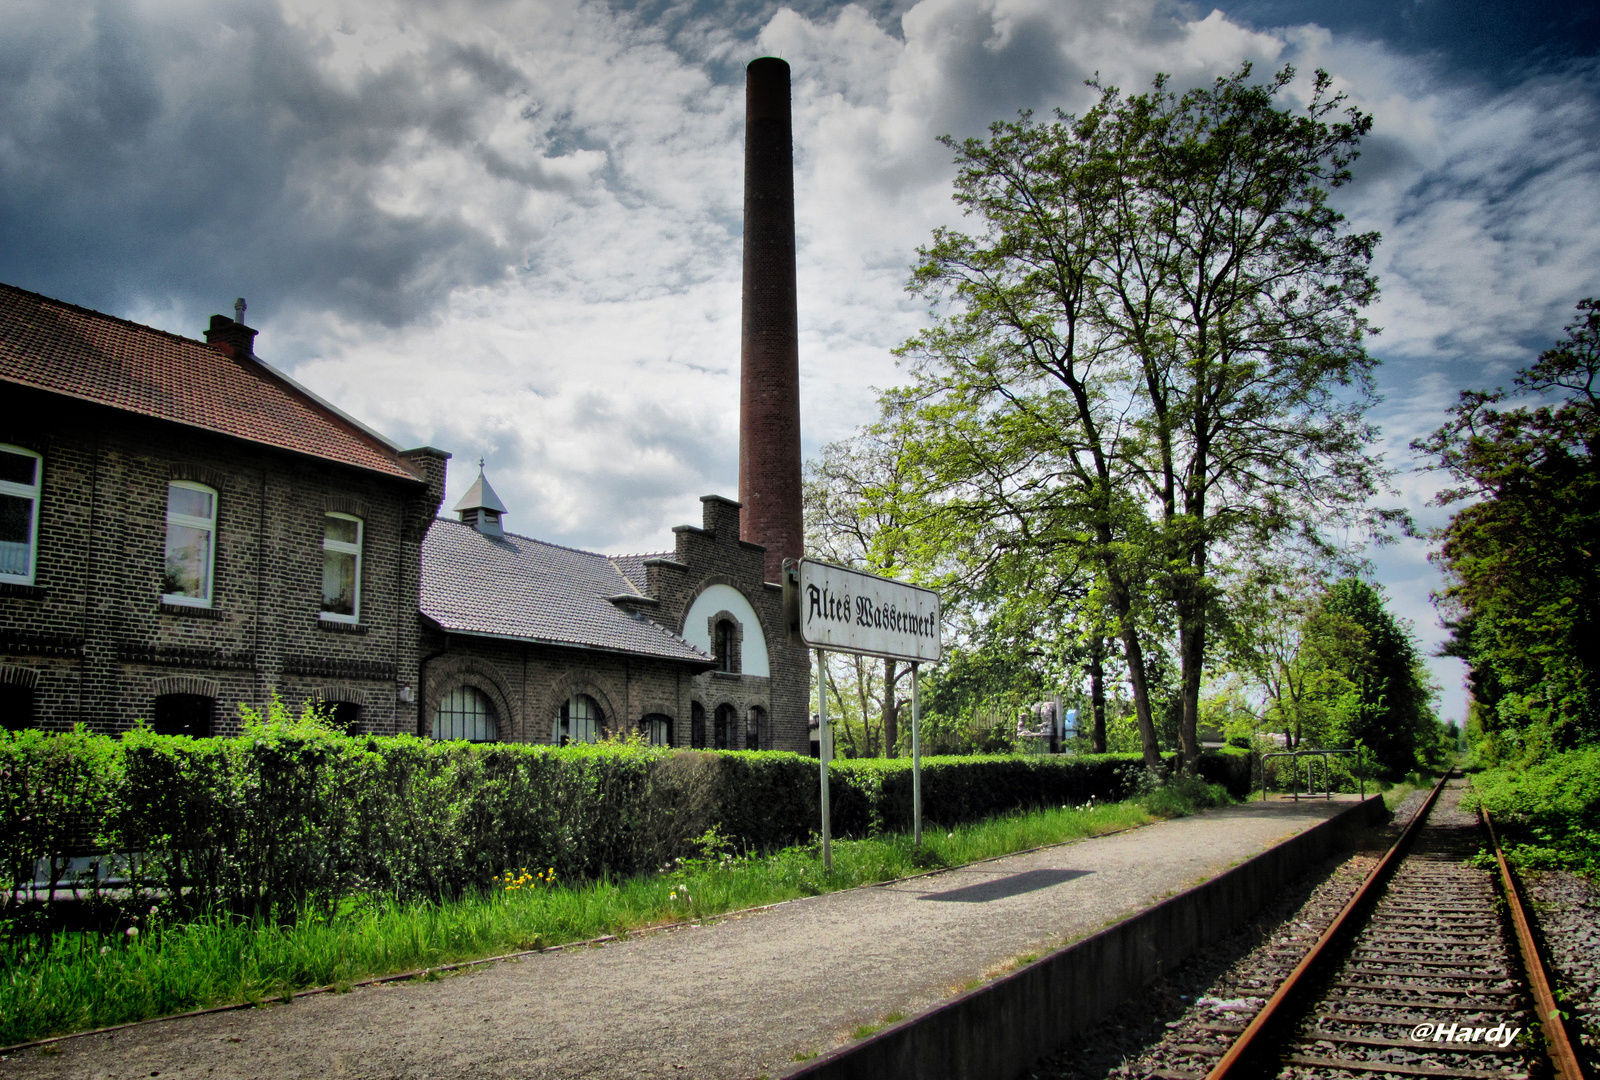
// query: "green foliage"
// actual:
[[293, 816], [1152, 353], [1393, 716], [1549, 813], [70, 981], [1520, 558]]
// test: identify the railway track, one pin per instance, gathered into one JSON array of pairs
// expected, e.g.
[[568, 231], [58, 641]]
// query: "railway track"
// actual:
[[1418, 976]]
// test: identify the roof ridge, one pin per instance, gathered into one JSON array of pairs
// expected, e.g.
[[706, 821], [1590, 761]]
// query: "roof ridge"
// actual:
[[534, 539], [329, 410], [102, 314]]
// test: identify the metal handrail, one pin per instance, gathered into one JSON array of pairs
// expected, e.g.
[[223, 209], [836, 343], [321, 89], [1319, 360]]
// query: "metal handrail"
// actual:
[[1327, 781]]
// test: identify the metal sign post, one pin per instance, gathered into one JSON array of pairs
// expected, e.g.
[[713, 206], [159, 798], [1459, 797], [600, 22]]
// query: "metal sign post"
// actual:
[[916, 762], [824, 756], [844, 610]]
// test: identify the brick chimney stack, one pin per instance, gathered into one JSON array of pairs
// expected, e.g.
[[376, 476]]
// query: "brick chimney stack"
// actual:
[[769, 351], [231, 338]]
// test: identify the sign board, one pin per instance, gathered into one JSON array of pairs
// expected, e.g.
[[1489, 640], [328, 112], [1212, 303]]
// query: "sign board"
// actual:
[[845, 610]]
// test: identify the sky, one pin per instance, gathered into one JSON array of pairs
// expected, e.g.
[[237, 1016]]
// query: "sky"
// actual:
[[511, 228]]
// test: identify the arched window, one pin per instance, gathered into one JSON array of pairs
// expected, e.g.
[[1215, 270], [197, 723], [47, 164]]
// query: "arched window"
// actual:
[[16, 706], [726, 719], [755, 728], [657, 729], [466, 713], [697, 725], [191, 544], [344, 715], [19, 513], [184, 714], [579, 722], [727, 645]]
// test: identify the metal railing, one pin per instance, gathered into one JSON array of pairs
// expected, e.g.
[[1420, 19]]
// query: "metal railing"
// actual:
[[1327, 775]]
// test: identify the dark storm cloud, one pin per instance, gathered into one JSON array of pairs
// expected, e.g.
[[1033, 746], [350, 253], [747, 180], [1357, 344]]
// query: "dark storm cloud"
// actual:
[[152, 160], [1488, 39]]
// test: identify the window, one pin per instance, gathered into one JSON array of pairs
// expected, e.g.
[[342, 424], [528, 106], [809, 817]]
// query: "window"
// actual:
[[191, 544], [579, 721], [184, 714], [19, 513], [697, 725], [344, 715], [726, 645], [16, 707], [657, 729], [725, 721], [465, 713], [341, 568], [753, 725]]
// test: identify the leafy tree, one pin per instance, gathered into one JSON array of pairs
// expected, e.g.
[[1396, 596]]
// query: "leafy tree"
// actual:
[[1523, 588], [1152, 350], [1309, 662], [1394, 717]]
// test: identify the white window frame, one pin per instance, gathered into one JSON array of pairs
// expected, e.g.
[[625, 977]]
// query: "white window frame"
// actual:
[[211, 532], [34, 493], [345, 548]]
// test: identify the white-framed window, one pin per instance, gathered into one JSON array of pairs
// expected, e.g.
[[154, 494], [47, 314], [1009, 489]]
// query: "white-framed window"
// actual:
[[20, 476], [579, 721], [186, 576], [465, 713], [341, 568]]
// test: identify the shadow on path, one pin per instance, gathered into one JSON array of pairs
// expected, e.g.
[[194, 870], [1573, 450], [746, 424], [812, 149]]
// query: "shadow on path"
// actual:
[[1014, 885]]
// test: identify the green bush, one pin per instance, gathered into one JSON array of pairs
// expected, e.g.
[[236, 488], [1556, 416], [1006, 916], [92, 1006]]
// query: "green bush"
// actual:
[[292, 816], [1549, 813]]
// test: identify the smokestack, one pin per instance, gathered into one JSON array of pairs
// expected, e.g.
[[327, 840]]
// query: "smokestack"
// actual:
[[769, 350]]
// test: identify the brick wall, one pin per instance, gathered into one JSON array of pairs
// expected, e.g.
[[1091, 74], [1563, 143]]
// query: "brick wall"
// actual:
[[92, 633]]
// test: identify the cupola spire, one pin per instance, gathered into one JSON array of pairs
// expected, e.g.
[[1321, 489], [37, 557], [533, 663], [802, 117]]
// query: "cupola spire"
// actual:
[[480, 507]]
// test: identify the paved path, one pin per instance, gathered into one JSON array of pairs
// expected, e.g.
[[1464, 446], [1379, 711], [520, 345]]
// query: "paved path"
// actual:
[[732, 999]]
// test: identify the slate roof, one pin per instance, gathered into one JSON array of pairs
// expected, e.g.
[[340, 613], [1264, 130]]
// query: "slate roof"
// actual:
[[632, 567], [527, 590], [65, 349], [481, 496]]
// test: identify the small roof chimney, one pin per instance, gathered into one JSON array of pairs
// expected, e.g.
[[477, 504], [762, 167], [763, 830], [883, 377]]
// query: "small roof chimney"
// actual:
[[480, 507], [231, 336]]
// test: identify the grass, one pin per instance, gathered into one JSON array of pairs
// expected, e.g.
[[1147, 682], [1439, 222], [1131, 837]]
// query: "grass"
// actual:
[[72, 981]]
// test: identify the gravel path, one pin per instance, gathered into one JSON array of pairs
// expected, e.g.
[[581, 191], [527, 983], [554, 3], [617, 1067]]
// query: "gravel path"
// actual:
[[741, 997]]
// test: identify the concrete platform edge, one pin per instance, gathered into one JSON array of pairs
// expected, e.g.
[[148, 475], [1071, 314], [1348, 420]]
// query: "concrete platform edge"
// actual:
[[998, 1030]]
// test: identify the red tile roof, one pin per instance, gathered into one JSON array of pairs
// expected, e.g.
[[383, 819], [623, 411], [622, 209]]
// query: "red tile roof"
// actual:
[[65, 349]]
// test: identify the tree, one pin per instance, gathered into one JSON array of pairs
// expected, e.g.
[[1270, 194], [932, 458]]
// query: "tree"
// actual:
[[1152, 350], [1523, 592], [1395, 717], [1309, 663]]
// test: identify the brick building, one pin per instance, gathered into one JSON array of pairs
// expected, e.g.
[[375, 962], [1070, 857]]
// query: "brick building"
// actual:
[[535, 642], [183, 529]]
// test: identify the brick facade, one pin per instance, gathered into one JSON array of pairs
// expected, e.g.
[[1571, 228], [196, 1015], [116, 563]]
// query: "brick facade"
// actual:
[[527, 682], [96, 645]]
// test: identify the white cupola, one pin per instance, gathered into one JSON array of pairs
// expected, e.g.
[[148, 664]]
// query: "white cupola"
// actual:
[[480, 507]]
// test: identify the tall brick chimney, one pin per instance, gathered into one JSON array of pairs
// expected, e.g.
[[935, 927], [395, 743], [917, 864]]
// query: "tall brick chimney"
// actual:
[[769, 351]]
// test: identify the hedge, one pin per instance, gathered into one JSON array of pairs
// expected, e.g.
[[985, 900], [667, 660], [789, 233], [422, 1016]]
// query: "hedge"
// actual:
[[290, 815]]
